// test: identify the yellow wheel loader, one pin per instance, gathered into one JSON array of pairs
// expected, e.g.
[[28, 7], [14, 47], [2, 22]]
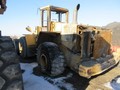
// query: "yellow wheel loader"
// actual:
[[57, 44]]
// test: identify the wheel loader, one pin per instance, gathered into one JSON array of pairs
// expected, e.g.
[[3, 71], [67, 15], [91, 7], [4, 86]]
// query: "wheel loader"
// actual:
[[57, 43]]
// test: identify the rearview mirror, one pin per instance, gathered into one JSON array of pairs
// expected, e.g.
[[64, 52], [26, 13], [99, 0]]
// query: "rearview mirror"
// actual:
[[28, 29]]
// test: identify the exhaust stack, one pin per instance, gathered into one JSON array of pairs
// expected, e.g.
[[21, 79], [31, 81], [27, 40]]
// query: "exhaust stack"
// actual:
[[75, 14]]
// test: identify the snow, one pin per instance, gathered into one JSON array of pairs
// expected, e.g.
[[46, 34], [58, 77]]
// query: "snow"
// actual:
[[108, 85], [61, 83], [33, 82], [118, 81], [114, 84]]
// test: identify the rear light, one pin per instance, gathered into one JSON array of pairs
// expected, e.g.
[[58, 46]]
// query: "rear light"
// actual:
[[114, 48], [89, 71]]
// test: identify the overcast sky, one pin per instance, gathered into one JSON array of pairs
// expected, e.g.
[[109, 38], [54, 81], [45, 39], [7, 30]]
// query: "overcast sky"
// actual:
[[23, 13]]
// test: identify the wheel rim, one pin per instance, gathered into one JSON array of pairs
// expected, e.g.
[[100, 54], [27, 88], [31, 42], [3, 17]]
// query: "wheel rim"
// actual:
[[43, 62], [20, 48]]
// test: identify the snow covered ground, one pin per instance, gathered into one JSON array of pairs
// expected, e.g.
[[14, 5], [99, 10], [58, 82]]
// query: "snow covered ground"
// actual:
[[33, 82], [114, 84]]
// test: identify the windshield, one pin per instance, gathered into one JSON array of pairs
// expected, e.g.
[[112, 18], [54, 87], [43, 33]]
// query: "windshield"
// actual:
[[57, 16]]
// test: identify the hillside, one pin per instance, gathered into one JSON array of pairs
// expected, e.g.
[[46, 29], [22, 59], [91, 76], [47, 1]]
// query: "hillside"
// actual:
[[115, 27]]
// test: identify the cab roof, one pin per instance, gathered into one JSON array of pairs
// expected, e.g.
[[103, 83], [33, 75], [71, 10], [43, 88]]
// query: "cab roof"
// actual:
[[54, 8]]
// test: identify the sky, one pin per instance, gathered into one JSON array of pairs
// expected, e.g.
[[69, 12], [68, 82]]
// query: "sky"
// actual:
[[23, 13]]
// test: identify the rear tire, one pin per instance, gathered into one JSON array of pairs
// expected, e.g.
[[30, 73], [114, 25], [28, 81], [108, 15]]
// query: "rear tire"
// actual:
[[50, 59], [10, 72], [22, 47], [16, 42]]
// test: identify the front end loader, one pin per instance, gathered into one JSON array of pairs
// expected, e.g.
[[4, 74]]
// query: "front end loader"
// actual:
[[87, 50]]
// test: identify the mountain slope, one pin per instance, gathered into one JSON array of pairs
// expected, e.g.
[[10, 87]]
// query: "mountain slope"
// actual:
[[115, 27]]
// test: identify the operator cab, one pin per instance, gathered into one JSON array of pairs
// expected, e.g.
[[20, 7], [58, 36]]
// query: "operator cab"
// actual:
[[51, 14]]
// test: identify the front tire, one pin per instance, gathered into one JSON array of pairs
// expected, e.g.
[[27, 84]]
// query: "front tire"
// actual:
[[50, 59], [22, 47], [16, 42]]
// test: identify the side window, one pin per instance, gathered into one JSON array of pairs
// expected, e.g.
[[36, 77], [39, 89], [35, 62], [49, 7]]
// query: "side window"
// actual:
[[63, 19], [54, 17], [44, 18]]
